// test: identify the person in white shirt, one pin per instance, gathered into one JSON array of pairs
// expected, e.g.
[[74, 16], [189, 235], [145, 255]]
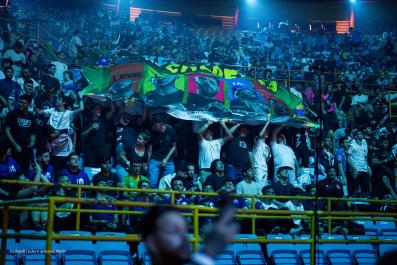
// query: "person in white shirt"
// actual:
[[15, 54], [360, 170], [26, 75], [209, 148], [284, 156], [61, 129], [248, 186], [75, 44], [262, 154]]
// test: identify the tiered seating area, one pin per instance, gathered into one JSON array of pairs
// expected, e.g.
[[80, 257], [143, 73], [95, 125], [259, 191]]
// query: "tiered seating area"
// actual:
[[85, 252]]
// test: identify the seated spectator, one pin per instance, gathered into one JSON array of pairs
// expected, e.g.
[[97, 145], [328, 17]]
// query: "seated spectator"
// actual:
[[248, 186], [131, 181], [163, 148], [271, 226], [165, 182], [64, 220], [299, 227], [283, 187], [217, 179], [111, 179], [75, 174], [47, 175], [177, 184], [209, 148], [9, 170], [103, 222], [192, 181]]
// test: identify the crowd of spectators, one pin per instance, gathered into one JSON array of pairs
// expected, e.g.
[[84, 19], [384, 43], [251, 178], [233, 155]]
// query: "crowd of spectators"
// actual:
[[50, 131]]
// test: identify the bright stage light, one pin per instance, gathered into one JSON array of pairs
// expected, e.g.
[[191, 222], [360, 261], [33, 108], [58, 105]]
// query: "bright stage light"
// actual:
[[352, 1], [251, 2]]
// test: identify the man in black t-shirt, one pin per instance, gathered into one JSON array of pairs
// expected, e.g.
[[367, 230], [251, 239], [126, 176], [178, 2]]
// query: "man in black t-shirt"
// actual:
[[239, 156], [218, 179], [384, 168], [94, 136], [111, 179], [20, 128], [163, 146], [48, 81]]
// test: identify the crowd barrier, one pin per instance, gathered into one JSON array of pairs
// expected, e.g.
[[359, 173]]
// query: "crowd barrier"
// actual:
[[195, 212]]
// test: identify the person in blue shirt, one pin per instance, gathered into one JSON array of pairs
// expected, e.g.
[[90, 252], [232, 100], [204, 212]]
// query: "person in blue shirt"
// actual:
[[103, 221], [177, 184], [47, 175], [9, 169], [76, 176]]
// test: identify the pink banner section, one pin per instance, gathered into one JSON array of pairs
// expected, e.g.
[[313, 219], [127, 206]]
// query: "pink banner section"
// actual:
[[192, 86]]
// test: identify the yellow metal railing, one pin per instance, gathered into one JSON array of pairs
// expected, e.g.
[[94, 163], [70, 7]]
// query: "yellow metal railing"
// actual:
[[196, 212]]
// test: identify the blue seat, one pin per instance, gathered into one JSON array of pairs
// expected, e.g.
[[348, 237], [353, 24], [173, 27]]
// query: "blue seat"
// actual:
[[305, 255], [226, 258], [388, 232], [11, 258], [251, 257], [75, 244], [365, 257], [143, 254], [38, 245], [367, 223], [387, 223], [372, 232], [330, 246], [340, 256], [79, 257], [383, 248], [358, 246], [236, 247], [285, 256], [115, 257], [304, 246], [111, 245], [278, 246]]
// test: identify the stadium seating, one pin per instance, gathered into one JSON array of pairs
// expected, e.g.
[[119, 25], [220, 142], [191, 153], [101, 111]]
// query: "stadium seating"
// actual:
[[383, 248], [226, 258], [251, 257], [113, 252], [305, 255], [114, 257], [367, 257], [77, 251], [11, 258], [340, 256], [36, 244], [285, 256]]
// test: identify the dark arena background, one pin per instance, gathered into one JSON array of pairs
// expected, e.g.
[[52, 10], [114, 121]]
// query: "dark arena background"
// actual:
[[198, 132]]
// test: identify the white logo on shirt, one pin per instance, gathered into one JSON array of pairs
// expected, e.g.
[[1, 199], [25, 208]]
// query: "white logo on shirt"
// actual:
[[80, 181], [243, 144], [24, 122], [12, 169]]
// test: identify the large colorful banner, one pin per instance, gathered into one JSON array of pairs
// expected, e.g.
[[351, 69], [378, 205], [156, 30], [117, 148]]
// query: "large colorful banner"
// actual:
[[202, 92]]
